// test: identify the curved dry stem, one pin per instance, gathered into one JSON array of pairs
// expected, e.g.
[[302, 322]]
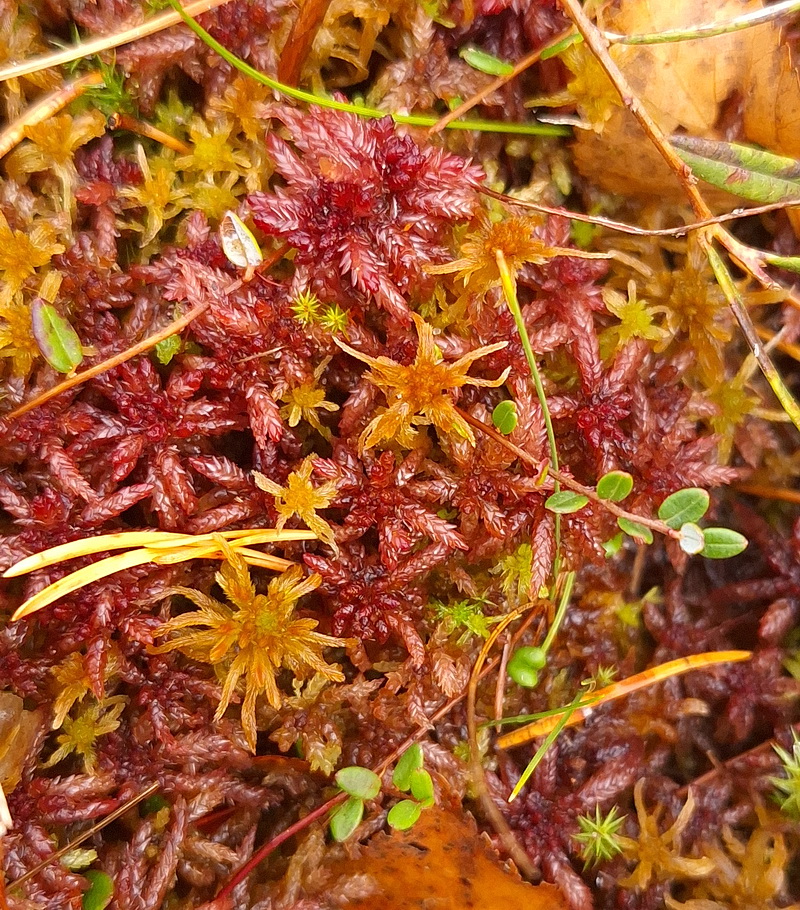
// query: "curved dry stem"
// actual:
[[106, 42], [623, 227], [709, 29], [495, 816]]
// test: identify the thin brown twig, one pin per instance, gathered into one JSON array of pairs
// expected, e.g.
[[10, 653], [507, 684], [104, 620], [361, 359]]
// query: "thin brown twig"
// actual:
[[567, 481], [14, 133], [105, 42], [494, 85], [729, 763], [623, 227], [90, 832], [178, 325], [119, 121]]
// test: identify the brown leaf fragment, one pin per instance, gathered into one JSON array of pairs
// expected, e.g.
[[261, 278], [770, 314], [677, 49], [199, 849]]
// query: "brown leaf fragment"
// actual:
[[441, 863]]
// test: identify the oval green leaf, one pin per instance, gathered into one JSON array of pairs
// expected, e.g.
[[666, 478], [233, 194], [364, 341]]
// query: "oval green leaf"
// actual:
[[238, 242], [359, 782], [422, 786], [615, 486], [523, 676], [410, 761], [55, 337], [640, 532], [529, 656], [403, 815], [722, 543], [346, 818], [101, 890], [485, 63], [504, 417], [690, 504], [692, 539], [565, 502]]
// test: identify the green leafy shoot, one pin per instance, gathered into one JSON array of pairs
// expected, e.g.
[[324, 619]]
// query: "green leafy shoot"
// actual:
[[565, 502], [410, 761], [599, 836], [525, 664], [484, 62], [615, 486], [634, 529], [404, 815], [334, 320], [466, 615], [359, 782], [111, 96], [788, 787], [55, 337], [346, 818], [504, 417], [101, 890], [167, 348]]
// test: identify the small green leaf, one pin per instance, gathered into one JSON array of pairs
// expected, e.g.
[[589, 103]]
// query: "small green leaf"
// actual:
[[167, 348], [238, 242], [422, 786], [690, 504], [566, 502], [346, 818], [403, 815], [523, 675], [560, 46], [613, 546], [640, 532], [615, 486], [410, 761], [722, 543], [504, 417], [790, 263], [359, 782], [741, 169], [692, 539], [57, 340], [101, 890], [485, 63]]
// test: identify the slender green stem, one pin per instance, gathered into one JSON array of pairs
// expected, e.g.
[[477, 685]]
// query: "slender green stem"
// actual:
[[551, 738], [561, 611], [737, 305], [486, 126], [709, 29]]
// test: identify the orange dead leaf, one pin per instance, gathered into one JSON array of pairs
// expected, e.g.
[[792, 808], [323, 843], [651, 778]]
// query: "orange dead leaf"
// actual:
[[452, 869], [683, 85]]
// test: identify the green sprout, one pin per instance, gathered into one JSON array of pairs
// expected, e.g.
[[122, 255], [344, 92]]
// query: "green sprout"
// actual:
[[788, 788], [599, 837]]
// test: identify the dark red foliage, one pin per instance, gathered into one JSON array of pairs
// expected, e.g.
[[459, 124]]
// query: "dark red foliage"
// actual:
[[368, 219]]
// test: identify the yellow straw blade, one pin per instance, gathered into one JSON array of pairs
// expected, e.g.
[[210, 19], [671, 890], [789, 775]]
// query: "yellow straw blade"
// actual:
[[86, 546], [82, 577]]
